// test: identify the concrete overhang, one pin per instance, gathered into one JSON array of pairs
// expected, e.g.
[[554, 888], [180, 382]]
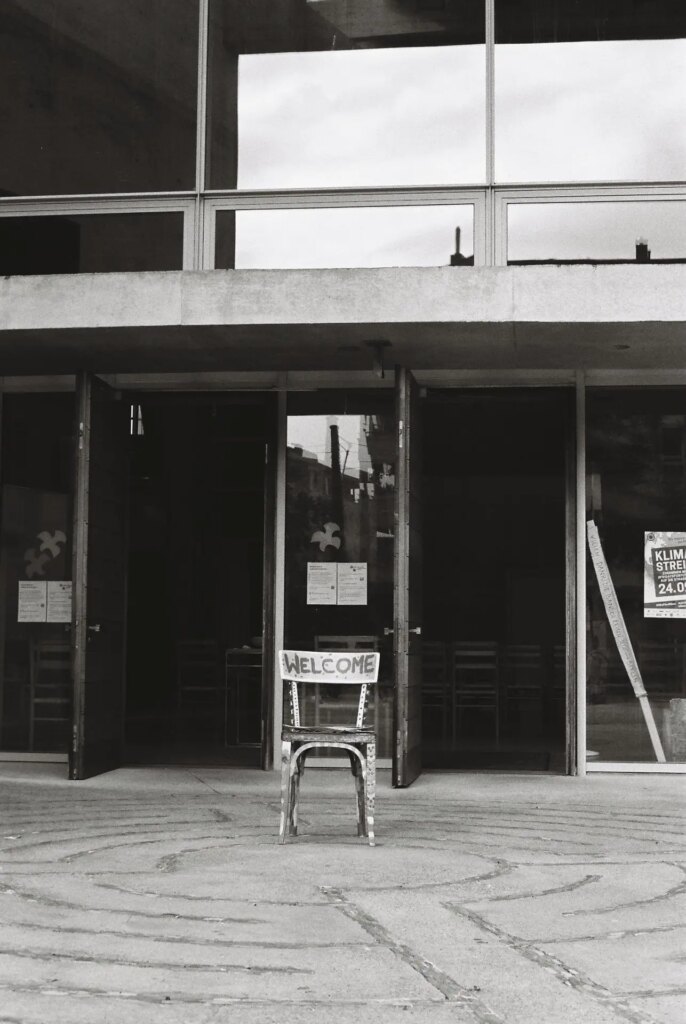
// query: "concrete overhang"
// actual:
[[453, 318]]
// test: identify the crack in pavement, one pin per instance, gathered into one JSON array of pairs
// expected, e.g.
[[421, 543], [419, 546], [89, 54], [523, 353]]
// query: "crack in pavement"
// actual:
[[536, 894], [53, 901], [57, 930], [564, 974], [451, 990], [676, 890], [83, 958], [325, 1003]]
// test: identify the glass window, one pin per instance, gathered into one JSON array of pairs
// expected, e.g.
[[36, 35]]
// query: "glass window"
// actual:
[[614, 232], [339, 510], [91, 243], [589, 90], [35, 549], [97, 97], [309, 93], [419, 236], [636, 463]]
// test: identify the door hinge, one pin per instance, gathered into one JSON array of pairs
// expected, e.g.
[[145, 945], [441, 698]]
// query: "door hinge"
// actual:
[[401, 430]]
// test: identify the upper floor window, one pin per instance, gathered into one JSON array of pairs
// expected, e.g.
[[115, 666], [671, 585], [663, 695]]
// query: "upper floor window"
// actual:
[[97, 96], [590, 90], [310, 93]]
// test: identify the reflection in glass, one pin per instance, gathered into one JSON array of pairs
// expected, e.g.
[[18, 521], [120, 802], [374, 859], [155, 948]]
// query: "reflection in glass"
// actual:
[[97, 97], [339, 508], [35, 690], [636, 463], [308, 93], [419, 236], [91, 244], [588, 92], [614, 232]]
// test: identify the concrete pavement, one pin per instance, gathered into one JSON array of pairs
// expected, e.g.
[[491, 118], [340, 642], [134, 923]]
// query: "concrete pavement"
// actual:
[[161, 895]]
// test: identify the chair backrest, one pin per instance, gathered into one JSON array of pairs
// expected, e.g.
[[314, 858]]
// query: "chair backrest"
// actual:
[[339, 668]]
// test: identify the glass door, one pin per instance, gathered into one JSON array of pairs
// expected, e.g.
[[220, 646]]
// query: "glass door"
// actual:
[[340, 484], [494, 645]]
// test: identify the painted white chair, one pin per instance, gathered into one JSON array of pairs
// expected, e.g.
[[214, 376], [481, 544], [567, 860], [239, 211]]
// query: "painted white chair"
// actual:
[[355, 739]]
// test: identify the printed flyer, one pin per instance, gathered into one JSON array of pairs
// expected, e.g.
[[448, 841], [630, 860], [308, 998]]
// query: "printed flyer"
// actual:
[[664, 575]]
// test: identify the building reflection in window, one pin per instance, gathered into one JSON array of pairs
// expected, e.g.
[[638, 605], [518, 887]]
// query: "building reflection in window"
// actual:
[[598, 232], [636, 463], [589, 90], [309, 93], [389, 236], [339, 510], [35, 687]]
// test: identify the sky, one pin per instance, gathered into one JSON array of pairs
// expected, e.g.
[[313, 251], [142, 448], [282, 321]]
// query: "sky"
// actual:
[[601, 111]]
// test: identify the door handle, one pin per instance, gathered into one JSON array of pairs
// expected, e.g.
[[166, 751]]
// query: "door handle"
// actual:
[[95, 629], [416, 629], [388, 631]]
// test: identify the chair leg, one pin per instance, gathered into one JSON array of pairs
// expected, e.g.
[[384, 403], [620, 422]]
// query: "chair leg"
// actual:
[[296, 771], [285, 790], [370, 789], [358, 775]]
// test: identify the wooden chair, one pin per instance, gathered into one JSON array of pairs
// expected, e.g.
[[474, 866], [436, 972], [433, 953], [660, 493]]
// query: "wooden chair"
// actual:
[[327, 708], [437, 693], [522, 669], [196, 677], [355, 739], [51, 689], [476, 674]]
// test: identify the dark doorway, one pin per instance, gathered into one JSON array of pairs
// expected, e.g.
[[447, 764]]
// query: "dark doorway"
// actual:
[[494, 679], [196, 601]]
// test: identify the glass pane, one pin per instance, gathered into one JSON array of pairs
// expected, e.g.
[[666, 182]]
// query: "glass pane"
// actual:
[[88, 243], [493, 687], [195, 596], [35, 695], [339, 510], [419, 236], [615, 232], [308, 93], [636, 459], [590, 91], [97, 97]]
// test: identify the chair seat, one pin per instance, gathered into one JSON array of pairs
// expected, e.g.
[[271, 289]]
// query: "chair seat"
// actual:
[[327, 733]]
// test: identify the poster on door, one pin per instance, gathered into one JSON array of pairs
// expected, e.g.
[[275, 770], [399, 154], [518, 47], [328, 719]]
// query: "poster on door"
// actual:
[[342, 583], [664, 575]]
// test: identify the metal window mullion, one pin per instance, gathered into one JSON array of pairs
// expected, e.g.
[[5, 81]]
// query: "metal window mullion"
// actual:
[[580, 573], [198, 252], [82, 207], [279, 565], [491, 210], [332, 198]]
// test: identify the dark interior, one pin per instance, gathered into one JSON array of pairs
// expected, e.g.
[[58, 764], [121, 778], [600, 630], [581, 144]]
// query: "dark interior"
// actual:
[[494, 580], [194, 677]]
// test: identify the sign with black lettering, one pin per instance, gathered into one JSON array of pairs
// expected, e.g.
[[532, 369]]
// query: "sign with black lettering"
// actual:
[[664, 575], [329, 666]]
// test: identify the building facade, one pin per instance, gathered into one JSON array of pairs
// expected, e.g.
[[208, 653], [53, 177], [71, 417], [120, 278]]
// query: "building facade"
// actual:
[[344, 324]]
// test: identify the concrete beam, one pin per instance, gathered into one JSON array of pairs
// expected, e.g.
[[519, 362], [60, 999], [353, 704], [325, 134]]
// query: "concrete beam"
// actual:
[[443, 295]]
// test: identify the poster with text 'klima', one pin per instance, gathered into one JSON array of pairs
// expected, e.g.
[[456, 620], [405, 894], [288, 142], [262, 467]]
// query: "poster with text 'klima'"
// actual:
[[664, 575]]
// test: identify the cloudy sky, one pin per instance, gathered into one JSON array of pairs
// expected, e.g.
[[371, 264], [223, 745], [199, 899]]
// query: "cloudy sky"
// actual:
[[601, 111]]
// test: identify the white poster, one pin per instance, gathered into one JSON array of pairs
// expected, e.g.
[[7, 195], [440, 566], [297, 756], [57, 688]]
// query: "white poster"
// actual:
[[31, 603], [664, 575], [321, 583], [59, 601], [352, 583]]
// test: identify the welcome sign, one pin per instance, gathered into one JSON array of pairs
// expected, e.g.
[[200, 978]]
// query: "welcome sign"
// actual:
[[329, 666]]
